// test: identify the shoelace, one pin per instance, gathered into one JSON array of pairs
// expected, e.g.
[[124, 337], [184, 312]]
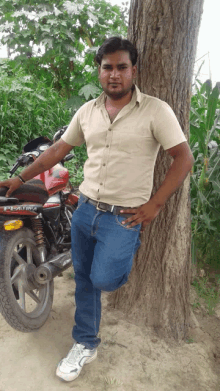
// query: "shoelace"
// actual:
[[74, 354]]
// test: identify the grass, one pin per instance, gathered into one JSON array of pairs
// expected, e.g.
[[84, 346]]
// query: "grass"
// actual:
[[207, 289], [112, 381], [190, 340], [71, 275]]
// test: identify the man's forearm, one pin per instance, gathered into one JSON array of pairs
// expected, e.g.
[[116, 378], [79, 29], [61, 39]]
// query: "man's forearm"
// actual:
[[173, 180]]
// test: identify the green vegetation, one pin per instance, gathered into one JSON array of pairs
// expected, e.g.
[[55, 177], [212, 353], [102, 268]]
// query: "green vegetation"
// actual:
[[56, 40], [205, 179], [190, 340], [28, 108], [208, 292], [205, 191]]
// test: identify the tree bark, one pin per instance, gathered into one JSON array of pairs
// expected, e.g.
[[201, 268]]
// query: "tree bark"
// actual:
[[165, 33]]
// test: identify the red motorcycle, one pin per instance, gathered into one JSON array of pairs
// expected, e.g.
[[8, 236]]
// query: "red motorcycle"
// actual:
[[35, 239]]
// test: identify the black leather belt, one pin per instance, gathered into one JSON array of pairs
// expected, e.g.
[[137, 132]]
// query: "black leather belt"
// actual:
[[103, 207]]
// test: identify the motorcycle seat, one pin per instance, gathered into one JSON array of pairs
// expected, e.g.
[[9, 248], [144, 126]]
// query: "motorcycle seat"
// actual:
[[31, 191]]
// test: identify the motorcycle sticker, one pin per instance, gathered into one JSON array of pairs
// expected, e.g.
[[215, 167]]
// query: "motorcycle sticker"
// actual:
[[16, 208]]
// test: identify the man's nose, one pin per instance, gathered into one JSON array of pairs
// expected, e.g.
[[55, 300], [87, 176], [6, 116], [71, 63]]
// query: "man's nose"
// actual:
[[114, 73]]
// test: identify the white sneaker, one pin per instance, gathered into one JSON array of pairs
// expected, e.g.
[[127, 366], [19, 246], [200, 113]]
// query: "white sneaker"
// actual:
[[70, 367]]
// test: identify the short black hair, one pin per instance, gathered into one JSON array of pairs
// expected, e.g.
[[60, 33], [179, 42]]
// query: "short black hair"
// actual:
[[112, 44]]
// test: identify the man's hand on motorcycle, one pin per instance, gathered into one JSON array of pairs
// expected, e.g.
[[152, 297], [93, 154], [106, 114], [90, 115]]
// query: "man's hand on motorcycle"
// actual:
[[142, 215], [12, 184]]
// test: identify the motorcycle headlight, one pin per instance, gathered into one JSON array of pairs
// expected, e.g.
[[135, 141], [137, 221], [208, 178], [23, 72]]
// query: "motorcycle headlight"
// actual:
[[12, 225]]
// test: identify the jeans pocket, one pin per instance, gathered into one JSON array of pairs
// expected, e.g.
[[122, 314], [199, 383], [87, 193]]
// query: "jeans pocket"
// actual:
[[81, 201], [123, 217]]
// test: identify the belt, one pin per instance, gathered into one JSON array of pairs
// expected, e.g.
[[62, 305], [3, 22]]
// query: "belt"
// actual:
[[103, 207]]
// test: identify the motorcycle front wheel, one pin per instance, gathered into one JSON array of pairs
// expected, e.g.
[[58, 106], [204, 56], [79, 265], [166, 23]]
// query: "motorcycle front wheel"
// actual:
[[24, 304]]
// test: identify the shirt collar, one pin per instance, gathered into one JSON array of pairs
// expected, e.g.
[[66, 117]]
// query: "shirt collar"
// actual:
[[136, 97]]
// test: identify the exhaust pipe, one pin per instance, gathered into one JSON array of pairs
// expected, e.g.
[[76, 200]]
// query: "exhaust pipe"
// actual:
[[48, 270]]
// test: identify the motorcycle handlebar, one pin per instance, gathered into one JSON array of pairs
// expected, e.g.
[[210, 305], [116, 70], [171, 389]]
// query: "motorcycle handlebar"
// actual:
[[22, 161]]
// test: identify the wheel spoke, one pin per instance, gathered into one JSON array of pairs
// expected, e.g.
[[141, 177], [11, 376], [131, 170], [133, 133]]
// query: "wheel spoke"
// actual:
[[29, 254], [15, 275], [21, 292], [33, 296], [18, 258]]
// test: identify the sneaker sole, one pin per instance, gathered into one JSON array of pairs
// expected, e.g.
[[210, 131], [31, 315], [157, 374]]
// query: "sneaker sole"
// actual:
[[68, 377]]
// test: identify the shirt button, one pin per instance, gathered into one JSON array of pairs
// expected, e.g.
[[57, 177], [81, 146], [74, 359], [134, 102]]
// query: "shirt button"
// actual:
[[109, 130], [101, 184], [104, 164], [98, 198], [107, 146]]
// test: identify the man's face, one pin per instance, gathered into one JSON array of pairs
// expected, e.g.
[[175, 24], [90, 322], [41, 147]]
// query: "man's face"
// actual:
[[116, 74]]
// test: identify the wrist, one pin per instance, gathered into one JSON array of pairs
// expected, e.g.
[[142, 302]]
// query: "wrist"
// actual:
[[21, 178], [158, 202]]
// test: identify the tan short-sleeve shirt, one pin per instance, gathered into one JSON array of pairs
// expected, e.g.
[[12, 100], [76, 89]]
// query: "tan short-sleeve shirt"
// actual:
[[122, 154]]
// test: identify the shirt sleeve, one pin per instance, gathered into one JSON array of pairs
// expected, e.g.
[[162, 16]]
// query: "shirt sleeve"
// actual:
[[73, 134], [166, 129]]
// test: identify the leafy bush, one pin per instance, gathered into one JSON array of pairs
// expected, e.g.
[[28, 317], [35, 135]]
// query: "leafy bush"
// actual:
[[58, 40], [28, 109]]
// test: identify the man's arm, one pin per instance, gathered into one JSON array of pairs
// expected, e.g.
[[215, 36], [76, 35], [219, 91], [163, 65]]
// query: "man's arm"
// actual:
[[182, 164], [44, 162]]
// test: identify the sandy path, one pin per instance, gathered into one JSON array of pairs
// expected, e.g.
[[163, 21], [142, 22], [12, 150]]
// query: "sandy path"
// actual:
[[130, 358]]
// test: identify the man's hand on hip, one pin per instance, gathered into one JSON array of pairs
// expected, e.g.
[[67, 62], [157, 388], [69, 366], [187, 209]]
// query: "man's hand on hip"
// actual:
[[142, 215]]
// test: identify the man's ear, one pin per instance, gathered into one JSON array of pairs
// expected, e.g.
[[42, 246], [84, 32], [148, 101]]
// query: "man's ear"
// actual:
[[134, 71]]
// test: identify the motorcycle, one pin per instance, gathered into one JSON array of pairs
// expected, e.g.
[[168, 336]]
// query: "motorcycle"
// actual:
[[35, 239]]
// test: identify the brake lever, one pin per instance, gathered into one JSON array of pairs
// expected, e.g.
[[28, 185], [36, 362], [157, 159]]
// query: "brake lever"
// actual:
[[14, 168]]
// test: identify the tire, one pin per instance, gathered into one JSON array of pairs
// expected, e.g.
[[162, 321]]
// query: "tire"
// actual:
[[24, 305]]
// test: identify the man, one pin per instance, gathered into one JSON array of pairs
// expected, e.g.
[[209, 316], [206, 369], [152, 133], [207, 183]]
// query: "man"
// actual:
[[123, 130]]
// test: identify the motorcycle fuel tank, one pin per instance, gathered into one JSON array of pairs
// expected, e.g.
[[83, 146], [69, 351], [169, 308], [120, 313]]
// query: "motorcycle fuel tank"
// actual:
[[55, 179]]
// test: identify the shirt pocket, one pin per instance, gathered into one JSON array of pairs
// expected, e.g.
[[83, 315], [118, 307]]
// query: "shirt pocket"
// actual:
[[131, 143]]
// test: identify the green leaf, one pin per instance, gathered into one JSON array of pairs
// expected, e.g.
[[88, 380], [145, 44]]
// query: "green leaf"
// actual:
[[75, 102], [41, 97], [200, 133], [212, 106], [197, 115], [216, 186], [89, 90], [206, 87], [45, 28]]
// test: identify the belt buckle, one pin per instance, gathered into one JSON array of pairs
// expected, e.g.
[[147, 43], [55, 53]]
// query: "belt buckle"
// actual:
[[103, 210], [98, 208]]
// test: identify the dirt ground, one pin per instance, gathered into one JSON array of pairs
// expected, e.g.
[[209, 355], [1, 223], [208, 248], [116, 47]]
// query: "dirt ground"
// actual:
[[130, 357]]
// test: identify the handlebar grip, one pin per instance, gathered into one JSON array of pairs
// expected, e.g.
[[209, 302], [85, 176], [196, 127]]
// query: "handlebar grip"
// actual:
[[68, 157], [27, 159]]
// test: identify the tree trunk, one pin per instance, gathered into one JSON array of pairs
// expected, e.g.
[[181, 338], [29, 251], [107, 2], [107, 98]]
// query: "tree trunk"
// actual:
[[165, 33]]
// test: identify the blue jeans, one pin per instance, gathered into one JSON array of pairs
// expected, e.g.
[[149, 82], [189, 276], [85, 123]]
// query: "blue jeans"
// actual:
[[102, 253]]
